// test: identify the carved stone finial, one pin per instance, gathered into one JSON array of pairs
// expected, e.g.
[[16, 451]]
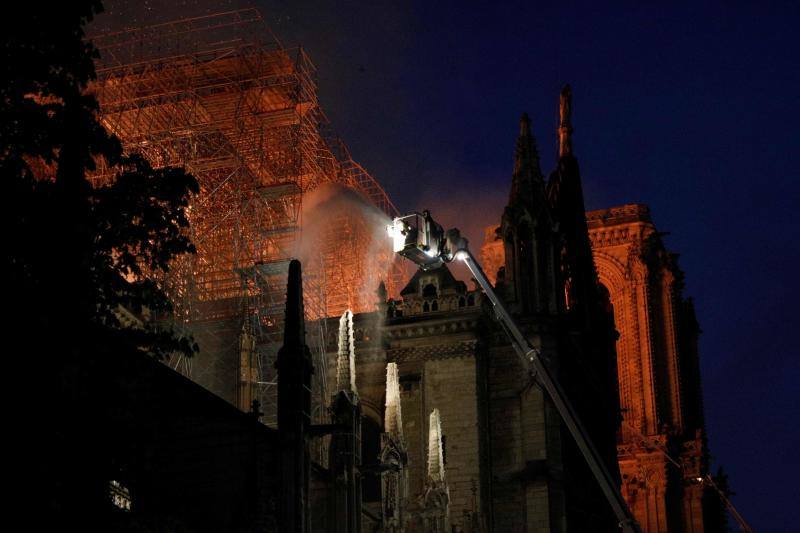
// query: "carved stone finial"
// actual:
[[393, 421], [346, 364], [435, 451]]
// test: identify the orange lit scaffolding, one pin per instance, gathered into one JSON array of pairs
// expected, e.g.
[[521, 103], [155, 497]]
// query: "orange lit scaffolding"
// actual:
[[220, 95]]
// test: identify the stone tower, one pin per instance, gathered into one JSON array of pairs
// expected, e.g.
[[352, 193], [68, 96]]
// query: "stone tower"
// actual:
[[547, 276], [658, 365]]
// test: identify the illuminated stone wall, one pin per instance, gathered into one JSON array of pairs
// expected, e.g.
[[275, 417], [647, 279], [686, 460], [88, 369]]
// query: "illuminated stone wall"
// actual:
[[657, 359]]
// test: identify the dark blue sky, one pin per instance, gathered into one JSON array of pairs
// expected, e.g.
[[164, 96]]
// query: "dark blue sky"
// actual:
[[692, 110]]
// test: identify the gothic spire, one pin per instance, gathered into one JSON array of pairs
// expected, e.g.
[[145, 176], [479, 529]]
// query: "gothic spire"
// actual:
[[527, 172], [346, 363], [565, 122], [393, 420], [294, 407]]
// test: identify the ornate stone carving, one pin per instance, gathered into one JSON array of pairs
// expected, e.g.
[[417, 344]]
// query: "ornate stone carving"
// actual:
[[433, 351]]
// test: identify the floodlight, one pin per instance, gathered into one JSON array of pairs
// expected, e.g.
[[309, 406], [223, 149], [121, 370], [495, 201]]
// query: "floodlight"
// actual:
[[422, 240]]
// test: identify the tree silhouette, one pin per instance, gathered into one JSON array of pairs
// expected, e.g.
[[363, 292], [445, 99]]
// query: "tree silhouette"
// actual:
[[101, 239], [74, 254]]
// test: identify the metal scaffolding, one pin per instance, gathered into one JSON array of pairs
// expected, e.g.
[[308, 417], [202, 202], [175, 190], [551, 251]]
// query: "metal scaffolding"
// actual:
[[221, 96]]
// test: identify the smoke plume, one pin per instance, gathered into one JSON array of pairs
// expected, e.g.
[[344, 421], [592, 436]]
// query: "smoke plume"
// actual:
[[345, 235]]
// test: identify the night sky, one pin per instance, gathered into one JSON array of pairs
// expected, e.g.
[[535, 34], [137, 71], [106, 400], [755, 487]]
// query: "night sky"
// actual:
[[691, 110]]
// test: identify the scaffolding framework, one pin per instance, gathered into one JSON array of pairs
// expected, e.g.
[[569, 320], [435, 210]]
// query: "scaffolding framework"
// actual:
[[221, 96]]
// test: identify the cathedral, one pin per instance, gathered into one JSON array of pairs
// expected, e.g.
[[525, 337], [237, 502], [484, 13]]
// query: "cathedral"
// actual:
[[435, 424], [359, 400]]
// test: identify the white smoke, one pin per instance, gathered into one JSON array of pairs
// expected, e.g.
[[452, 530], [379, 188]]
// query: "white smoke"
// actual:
[[343, 231]]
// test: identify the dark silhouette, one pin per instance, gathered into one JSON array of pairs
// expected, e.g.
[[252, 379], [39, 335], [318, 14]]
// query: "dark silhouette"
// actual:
[[77, 253]]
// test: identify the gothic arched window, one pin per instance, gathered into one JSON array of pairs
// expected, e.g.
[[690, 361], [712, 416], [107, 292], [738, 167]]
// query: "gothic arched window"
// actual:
[[429, 291]]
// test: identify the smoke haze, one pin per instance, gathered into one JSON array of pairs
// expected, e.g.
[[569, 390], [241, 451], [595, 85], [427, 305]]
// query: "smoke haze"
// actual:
[[343, 231]]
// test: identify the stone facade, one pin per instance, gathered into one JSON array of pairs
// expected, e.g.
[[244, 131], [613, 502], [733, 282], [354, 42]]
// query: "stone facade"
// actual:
[[483, 448]]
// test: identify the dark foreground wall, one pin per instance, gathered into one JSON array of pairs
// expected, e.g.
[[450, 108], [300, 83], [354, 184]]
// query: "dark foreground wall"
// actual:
[[196, 459], [189, 460]]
